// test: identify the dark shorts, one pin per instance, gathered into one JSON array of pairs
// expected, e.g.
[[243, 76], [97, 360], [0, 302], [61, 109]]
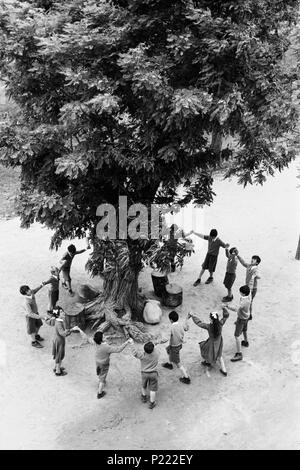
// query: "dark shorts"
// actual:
[[210, 263], [66, 274], [240, 326], [33, 324], [102, 371], [150, 379], [174, 353], [229, 280]]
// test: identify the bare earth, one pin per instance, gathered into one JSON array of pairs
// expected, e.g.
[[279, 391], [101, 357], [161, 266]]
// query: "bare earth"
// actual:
[[256, 407]]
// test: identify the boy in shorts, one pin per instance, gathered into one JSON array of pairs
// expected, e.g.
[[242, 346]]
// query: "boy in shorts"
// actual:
[[175, 345], [230, 272], [252, 275], [241, 324], [53, 293], [33, 318], [149, 363], [103, 351], [210, 262], [66, 262]]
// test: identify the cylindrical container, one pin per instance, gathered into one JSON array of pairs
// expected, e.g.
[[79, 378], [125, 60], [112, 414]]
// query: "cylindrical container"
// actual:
[[159, 281], [173, 295]]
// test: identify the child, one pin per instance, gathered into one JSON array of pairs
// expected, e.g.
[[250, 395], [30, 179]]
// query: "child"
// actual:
[[189, 246], [149, 363], [210, 262], [33, 318], [59, 340], [66, 262], [173, 350], [241, 324], [103, 352], [212, 348], [230, 272], [252, 275], [53, 292]]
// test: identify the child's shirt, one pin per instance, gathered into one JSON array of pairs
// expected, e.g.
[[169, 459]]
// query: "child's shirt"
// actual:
[[149, 362], [53, 282], [67, 260], [214, 245], [243, 311], [177, 334], [104, 350], [251, 273], [30, 306], [231, 263]]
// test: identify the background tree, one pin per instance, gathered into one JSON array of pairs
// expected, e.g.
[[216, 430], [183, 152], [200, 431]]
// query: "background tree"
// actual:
[[135, 98]]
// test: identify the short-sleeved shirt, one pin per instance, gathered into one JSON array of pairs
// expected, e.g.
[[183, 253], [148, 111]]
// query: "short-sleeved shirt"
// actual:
[[214, 245], [231, 263], [67, 260], [149, 362], [30, 305], [251, 273], [177, 334], [104, 350], [243, 311]]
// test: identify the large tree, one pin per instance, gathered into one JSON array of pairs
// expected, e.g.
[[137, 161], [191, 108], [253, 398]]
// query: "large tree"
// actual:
[[134, 98]]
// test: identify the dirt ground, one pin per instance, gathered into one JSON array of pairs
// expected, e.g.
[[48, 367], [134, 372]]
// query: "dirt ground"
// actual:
[[256, 406]]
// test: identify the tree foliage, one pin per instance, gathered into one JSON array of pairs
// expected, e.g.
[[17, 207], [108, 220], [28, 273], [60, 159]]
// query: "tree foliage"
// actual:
[[122, 97]]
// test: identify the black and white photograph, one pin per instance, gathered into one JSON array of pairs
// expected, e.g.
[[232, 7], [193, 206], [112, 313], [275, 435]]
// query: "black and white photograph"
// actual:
[[149, 227]]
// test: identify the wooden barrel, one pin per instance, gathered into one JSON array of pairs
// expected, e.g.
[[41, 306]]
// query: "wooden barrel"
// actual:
[[75, 318], [173, 295], [159, 281]]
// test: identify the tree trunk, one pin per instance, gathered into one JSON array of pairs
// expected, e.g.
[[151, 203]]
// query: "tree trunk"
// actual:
[[216, 141]]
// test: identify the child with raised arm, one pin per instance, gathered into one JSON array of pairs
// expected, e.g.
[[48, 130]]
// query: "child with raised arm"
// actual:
[[175, 345], [241, 324], [103, 351], [53, 292], [65, 268], [212, 349], [33, 319], [230, 273], [149, 365], [252, 275], [210, 261]]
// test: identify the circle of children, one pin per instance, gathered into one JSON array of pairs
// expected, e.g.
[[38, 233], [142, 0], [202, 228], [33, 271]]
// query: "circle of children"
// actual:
[[211, 349]]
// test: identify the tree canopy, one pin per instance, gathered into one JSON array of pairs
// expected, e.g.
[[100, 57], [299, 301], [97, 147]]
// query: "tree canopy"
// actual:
[[129, 97]]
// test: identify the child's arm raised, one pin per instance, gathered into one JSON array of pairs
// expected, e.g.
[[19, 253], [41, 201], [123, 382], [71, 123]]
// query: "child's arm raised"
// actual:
[[84, 336], [243, 263], [34, 291], [80, 251], [205, 237]]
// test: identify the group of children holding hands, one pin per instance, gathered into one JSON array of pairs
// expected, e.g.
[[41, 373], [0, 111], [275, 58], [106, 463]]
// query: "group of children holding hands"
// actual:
[[211, 349]]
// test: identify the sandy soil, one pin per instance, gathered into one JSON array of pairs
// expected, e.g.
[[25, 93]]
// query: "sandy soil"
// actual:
[[257, 406]]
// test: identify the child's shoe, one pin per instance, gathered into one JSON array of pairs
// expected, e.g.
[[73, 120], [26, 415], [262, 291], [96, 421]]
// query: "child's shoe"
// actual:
[[197, 282], [227, 298], [152, 404], [237, 357], [245, 344], [64, 285], [223, 373], [209, 280], [167, 365], [144, 398], [62, 372], [185, 380], [206, 364], [101, 395], [39, 338], [36, 344]]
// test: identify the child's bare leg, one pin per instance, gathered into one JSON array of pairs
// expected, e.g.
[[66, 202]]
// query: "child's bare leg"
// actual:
[[144, 392], [152, 396], [101, 387], [33, 337], [245, 336], [229, 292], [57, 367], [201, 273], [238, 344], [183, 370], [222, 364]]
